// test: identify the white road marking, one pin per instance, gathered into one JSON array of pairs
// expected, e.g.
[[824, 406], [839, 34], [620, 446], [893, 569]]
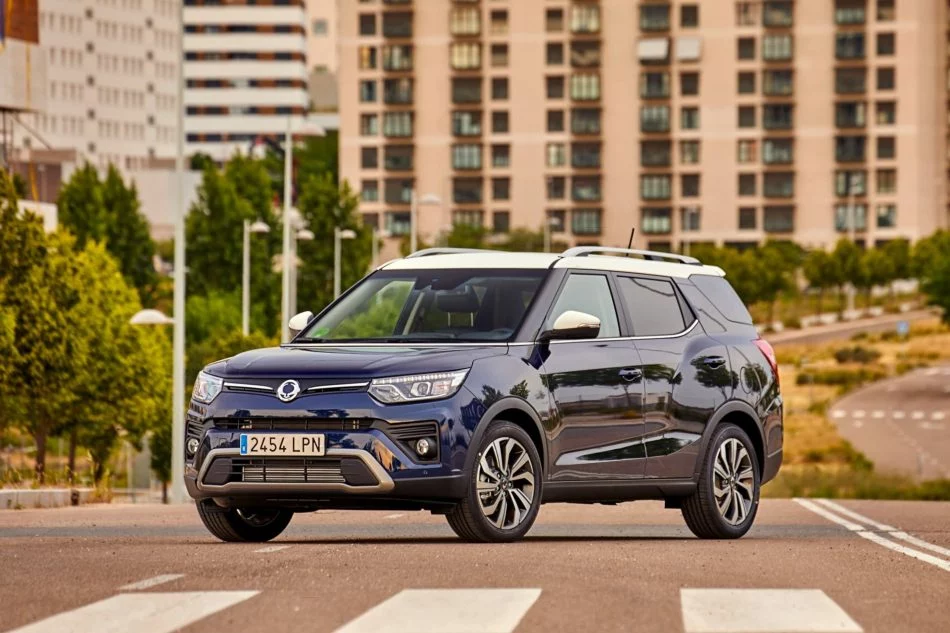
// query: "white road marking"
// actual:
[[271, 549], [938, 415], [877, 415], [394, 516], [838, 413], [899, 415], [763, 611], [140, 612], [933, 371], [834, 518], [897, 547], [437, 610], [858, 424], [885, 528], [932, 426], [890, 388], [148, 583], [918, 415], [857, 414]]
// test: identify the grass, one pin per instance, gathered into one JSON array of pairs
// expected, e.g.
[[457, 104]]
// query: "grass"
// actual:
[[818, 462]]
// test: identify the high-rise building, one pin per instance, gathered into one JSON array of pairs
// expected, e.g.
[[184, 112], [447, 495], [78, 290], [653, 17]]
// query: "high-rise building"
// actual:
[[111, 72], [245, 70], [322, 57], [696, 121]]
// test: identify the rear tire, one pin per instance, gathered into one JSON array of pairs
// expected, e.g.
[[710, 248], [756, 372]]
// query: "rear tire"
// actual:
[[234, 525], [727, 494], [504, 493]]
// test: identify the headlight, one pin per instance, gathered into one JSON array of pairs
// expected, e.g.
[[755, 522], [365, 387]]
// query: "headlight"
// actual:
[[207, 387], [416, 388]]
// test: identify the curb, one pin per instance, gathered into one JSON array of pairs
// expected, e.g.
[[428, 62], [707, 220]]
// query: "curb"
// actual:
[[43, 498]]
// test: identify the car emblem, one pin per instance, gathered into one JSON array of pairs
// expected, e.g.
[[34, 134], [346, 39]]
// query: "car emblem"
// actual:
[[288, 390]]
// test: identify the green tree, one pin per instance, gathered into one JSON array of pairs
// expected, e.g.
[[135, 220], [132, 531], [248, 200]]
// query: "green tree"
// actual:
[[220, 347], [820, 270], [877, 269], [773, 266], [931, 260], [313, 156], [467, 236], [127, 235], [847, 257], [199, 161], [81, 208]]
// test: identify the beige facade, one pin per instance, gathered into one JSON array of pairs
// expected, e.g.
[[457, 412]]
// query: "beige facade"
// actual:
[[715, 121]]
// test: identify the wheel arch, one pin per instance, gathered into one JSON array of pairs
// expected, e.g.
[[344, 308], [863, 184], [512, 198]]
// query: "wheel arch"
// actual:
[[518, 412], [742, 415]]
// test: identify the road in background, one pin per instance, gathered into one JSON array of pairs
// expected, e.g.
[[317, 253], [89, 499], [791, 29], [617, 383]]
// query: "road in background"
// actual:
[[846, 329], [901, 424], [806, 566]]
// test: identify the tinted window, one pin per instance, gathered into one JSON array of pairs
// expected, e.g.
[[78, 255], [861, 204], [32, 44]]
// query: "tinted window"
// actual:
[[724, 297], [590, 294], [653, 306]]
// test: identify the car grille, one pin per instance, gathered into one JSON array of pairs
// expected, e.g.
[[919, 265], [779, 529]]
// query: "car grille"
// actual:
[[293, 424], [287, 471]]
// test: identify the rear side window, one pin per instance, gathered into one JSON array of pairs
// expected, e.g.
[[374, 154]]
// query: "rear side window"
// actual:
[[590, 294], [722, 295], [653, 306]]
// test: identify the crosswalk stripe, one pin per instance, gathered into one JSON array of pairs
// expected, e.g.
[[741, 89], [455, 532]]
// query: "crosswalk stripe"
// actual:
[[763, 610], [148, 583], [439, 610], [140, 612], [271, 549]]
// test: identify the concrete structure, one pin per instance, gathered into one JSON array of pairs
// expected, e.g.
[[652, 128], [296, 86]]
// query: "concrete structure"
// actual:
[[322, 57], [111, 73], [246, 73], [724, 121]]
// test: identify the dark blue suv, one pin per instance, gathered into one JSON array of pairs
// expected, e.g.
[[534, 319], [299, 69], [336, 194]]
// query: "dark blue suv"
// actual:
[[480, 385]]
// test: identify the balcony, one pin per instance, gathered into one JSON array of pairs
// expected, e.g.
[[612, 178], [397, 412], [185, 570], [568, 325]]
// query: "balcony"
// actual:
[[466, 90], [585, 87], [851, 114], [397, 24], [778, 151], [585, 19], [398, 158], [655, 85], [585, 189], [397, 58], [467, 190], [850, 80], [778, 117], [777, 13], [585, 121], [655, 118], [467, 123], [655, 153], [397, 91], [656, 187], [779, 185], [398, 191], [849, 46], [585, 155], [585, 54], [655, 17], [778, 83], [850, 149]]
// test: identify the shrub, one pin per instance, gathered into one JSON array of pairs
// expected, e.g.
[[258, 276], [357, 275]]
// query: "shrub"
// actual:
[[841, 377], [857, 354]]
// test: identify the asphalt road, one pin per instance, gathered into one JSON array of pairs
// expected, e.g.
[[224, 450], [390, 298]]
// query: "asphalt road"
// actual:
[[846, 329], [806, 566], [903, 424]]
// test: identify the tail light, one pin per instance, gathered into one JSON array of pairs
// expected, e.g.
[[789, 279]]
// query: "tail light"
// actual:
[[769, 352]]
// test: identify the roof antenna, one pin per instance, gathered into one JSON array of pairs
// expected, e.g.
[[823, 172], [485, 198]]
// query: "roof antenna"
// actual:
[[630, 243]]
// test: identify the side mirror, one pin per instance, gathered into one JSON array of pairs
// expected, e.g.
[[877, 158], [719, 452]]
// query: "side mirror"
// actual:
[[572, 325], [298, 322]]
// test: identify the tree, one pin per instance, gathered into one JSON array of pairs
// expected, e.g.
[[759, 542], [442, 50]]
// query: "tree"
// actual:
[[81, 208], [931, 260], [820, 270], [773, 267], [467, 236], [877, 269], [223, 346], [313, 156], [847, 258]]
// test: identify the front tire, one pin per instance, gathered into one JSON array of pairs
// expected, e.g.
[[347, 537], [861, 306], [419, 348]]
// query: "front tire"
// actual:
[[504, 493], [234, 525], [727, 495]]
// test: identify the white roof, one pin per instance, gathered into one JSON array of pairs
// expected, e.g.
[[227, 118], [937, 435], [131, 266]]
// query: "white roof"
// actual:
[[503, 259]]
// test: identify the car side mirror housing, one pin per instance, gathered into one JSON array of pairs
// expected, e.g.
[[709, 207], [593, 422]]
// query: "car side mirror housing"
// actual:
[[572, 325], [298, 322]]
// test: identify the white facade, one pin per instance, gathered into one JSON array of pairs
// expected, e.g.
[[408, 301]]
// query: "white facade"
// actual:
[[246, 74], [111, 71]]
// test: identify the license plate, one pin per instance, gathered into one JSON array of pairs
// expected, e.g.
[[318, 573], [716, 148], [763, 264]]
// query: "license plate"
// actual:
[[259, 444]]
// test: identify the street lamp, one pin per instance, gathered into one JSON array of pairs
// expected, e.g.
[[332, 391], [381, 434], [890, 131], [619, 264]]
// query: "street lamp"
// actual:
[[852, 178], [151, 317], [338, 236], [549, 223], [414, 204], [303, 234], [256, 227], [377, 235]]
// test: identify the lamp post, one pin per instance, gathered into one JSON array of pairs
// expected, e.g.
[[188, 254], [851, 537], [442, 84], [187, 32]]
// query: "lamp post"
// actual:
[[302, 235], [688, 214], [377, 235], [178, 338], [852, 211], [414, 204], [256, 227], [338, 236]]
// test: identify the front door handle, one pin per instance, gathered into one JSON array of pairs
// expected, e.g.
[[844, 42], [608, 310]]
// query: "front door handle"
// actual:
[[714, 362], [631, 375]]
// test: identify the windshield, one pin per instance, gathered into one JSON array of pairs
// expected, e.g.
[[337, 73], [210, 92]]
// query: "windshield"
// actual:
[[430, 306]]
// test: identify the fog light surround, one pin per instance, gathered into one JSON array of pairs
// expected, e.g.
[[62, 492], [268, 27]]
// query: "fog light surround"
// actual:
[[192, 445], [425, 447]]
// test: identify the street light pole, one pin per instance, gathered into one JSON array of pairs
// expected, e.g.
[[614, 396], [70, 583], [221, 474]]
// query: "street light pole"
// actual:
[[285, 294], [338, 236], [547, 233], [413, 222], [852, 211], [257, 227]]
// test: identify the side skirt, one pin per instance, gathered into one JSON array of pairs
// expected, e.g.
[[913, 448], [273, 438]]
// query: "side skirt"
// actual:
[[616, 491]]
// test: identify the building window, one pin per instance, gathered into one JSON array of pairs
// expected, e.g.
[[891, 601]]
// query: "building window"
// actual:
[[746, 151], [887, 216], [320, 27], [367, 24], [557, 188], [465, 21], [851, 217], [746, 46], [556, 220], [555, 87], [466, 157], [585, 18], [746, 116], [851, 183], [655, 118], [499, 55], [777, 13], [777, 82], [367, 91], [886, 147], [398, 57], [585, 121], [778, 151], [500, 222], [885, 10], [467, 190], [656, 221], [654, 85], [779, 185], [656, 187], [397, 24], [557, 155], [689, 16], [689, 185], [554, 54], [468, 218], [585, 155], [585, 222], [370, 191], [554, 20], [398, 124], [689, 152], [655, 153], [746, 83], [397, 91], [398, 158], [398, 224], [501, 188], [777, 47], [499, 122], [747, 219], [887, 181], [369, 158], [885, 79], [499, 22], [689, 84], [371, 219], [850, 11], [369, 125], [466, 90], [466, 55], [501, 155], [779, 219], [886, 113], [849, 45], [850, 149], [850, 114], [777, 117], [499, 89], [747, 13], [850, 80], [398, 191], [585, 188], [585, 54], [467, 123], [689, 118], [747, 185], [690, 219], [886, 44], [654, 17], [367, 57], [585, 87], [555, 120]]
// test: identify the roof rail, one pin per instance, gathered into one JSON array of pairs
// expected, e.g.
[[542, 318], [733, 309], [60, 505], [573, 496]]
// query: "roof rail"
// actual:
[[446, 251], [584, 251]]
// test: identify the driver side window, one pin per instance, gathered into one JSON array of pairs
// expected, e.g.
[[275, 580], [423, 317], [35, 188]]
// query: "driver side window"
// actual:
[[590, 294]]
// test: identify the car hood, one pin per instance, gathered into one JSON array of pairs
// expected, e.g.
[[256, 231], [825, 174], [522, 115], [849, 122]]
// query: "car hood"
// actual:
[[327, 361]]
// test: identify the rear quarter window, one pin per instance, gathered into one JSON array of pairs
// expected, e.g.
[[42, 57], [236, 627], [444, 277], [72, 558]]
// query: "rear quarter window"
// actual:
[[721, 294]]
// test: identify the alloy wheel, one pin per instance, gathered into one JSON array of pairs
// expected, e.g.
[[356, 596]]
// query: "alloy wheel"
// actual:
[[733, 481], [505, 483]]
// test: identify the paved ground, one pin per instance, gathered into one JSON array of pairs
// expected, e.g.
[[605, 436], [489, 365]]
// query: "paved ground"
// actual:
[[806, 566], [902, 425]]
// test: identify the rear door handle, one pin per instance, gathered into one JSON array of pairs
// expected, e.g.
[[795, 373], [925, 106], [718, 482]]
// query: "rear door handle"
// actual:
[[715, 362], [631, 375]]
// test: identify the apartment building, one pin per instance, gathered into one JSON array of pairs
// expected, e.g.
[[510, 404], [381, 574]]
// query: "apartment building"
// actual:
[[111, 72], [245, 72], [695, 121], [322, 56]]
